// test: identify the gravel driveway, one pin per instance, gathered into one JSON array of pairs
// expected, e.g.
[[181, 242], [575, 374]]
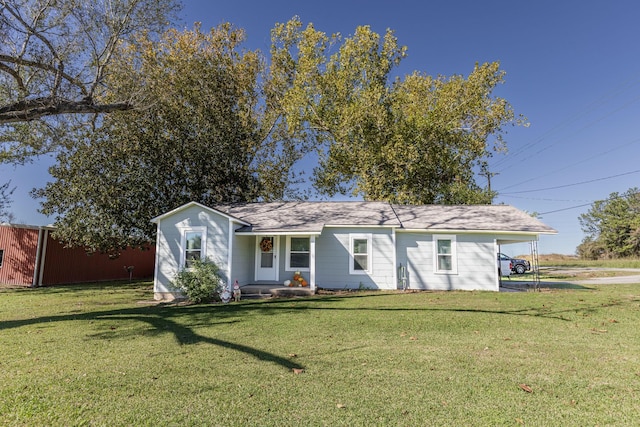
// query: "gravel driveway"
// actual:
[[626, 276]]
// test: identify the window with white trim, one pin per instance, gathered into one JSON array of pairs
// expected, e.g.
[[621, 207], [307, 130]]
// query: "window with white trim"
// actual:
[[360, 249], [193, 245], [445, 254], [1, 256], [298, 253]]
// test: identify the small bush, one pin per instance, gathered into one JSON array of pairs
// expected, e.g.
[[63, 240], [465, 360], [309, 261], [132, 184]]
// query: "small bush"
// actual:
[[201, 282]]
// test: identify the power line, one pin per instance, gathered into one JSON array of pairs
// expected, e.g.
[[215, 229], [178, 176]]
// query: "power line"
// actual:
[[620, 196], [565, 167], [565, 209], [620, 89], [543, 199], [574, 184]]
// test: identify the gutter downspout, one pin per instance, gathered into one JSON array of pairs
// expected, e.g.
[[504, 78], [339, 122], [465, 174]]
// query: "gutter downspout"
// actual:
[[312, 263], [43, 256], [36, 265], [395, 248], [231, 238], [156, 267]]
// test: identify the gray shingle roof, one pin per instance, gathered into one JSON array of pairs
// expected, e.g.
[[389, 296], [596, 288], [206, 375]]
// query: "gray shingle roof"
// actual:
[[470, 217], [311, 217]]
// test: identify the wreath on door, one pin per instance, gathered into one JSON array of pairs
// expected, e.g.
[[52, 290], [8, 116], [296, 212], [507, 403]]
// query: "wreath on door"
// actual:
[[266, 244]]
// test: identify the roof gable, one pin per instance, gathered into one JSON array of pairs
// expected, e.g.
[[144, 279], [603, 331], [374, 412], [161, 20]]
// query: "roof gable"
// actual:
[[157, 219]]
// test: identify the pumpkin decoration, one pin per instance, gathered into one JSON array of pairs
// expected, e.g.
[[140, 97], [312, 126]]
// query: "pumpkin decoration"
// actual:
[[298, 280]]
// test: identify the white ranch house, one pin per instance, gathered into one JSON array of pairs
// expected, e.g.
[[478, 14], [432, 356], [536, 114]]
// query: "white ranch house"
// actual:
[[338, 245]]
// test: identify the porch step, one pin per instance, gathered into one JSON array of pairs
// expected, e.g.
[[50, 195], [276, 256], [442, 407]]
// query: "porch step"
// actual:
[[256, 296], [269, 291]]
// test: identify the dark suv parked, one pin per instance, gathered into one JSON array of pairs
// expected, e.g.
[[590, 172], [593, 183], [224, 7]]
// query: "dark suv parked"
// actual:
[[518, 265]]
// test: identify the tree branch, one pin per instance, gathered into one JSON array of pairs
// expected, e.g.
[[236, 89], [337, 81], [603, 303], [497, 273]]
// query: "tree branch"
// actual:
[[33, 109], [16, 76], [59, 70], [45, 67]]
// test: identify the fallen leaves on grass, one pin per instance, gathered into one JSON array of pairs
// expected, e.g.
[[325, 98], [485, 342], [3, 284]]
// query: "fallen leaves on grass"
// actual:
[[599, 331], [526, 388], [297, 370], [341, 406]]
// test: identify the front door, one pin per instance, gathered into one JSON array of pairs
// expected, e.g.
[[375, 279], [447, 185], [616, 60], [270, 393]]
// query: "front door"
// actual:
[[267, 258]]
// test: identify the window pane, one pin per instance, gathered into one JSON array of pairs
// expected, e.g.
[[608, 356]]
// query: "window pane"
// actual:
[[359, 246], [194, 240], [190, 256], [299, 260], [360, 262], [444, 247], [300, 244], [444, 262], [266, 260]]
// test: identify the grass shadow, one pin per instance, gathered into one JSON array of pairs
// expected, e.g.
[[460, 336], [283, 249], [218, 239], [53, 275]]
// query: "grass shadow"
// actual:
[[160, 319]]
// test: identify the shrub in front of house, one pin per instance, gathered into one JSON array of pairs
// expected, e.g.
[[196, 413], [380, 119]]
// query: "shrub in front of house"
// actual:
[[201, 281]]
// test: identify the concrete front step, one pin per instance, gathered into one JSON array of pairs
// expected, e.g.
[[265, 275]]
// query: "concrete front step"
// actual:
[[267, 291]]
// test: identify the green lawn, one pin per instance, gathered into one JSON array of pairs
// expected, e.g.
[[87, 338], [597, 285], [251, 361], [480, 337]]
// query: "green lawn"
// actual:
[[102, 355], [559, 261]]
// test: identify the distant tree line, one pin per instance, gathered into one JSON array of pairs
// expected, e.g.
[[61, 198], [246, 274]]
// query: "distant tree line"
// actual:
[[612, 227]]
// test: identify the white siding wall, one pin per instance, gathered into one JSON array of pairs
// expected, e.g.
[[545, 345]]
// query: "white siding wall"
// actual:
[[476, 262], [170, 238], [243, 264], [332, 259]]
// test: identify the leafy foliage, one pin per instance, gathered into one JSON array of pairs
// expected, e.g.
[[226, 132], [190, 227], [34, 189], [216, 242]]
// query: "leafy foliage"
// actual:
[[203, 281], [55, 59], [5, 201], [413, 140], [220, 124], [612, 227], [196, 141]]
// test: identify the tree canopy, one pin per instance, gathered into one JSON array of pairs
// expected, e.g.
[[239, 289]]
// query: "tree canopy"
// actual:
[[217, 123], [415, 139], [195, 140], [612, 227]]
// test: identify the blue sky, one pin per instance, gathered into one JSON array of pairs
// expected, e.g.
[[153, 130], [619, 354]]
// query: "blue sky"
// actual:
[[573, 69]]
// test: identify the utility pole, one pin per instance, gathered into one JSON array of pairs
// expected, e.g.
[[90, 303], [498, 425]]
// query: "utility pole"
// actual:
[[485, 172]]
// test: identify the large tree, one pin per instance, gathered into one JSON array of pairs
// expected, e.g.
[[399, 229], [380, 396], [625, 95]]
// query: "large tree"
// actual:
[[416, 139], [203, 136], [612, 227], [222, 124], [55, 59]]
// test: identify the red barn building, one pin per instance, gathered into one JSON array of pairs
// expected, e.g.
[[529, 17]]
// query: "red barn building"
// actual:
[[29, 256]]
